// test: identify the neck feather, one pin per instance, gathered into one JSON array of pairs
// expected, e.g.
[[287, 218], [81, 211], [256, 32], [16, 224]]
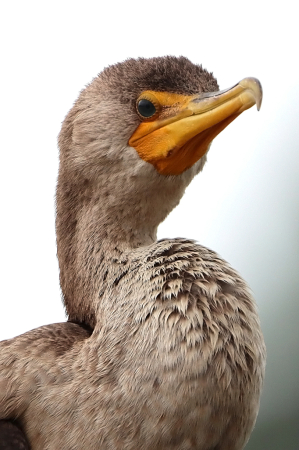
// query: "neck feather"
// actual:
[[96, 223]]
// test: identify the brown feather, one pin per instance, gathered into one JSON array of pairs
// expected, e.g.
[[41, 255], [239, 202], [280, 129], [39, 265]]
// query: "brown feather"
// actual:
[[176, 357]]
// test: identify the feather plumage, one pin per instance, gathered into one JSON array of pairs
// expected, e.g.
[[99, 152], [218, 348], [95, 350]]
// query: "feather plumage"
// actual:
[[176, 356]]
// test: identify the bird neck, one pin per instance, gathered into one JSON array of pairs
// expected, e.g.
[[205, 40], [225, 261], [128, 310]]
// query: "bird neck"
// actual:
[[94, 228], [105, 208]]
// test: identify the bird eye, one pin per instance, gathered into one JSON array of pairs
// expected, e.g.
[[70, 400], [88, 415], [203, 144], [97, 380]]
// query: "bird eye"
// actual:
[[146, 108]]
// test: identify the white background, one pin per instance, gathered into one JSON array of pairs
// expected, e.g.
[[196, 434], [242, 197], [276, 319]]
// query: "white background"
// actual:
[[245, 203]]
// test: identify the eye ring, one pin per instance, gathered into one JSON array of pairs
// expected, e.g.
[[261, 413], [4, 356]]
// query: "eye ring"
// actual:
[[147, 106]]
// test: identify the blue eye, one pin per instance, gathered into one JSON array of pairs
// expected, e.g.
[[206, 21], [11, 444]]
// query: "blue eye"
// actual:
[[146, 108]]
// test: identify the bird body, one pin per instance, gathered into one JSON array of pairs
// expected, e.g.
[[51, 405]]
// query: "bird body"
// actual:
[[172, 355], [178, 367]]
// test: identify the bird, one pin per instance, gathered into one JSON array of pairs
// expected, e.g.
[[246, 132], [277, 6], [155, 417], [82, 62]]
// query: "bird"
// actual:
[[163, 347]]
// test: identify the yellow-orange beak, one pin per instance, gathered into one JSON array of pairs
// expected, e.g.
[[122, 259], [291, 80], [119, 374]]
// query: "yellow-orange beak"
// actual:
[[181, 130]]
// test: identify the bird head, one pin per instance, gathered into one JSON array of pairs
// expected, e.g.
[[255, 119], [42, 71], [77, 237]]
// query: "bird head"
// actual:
[[142, 128]]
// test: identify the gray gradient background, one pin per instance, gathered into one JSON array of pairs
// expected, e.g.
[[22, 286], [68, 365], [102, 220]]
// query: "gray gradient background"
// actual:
[[245, 203]]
